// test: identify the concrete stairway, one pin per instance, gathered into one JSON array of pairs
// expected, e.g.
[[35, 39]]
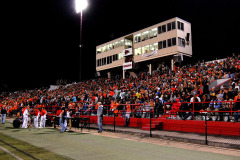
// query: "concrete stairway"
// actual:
[[156, 124]]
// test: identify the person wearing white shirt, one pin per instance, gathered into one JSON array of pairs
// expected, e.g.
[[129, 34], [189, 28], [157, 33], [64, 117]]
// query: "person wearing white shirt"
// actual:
[[25, 117]]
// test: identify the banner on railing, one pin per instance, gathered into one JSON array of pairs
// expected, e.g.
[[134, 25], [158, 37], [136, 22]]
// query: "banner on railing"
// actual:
[[148, 55]]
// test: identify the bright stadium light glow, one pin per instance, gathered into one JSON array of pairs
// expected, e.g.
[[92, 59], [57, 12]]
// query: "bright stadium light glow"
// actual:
[[80, 5]]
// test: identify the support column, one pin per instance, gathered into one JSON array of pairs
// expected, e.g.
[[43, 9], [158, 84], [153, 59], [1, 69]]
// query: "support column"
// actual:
[[172, 64], [124, 74], [109, 75], [150, 68]]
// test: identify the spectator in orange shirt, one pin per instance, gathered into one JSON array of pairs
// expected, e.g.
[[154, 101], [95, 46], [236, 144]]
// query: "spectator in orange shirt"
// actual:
[[43, 114]]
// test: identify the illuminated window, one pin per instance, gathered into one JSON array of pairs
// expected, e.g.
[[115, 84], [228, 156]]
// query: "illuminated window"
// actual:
[[110, 46], [154, 47], [99, 50], [145, 49], [121, 43], [104, 48], [137, 38], [120, 56], [128, 43], [137, 51], [153, 32], [145, 35], [115, 45]]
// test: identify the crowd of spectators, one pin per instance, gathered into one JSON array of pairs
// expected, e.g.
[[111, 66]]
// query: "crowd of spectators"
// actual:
[[147, 92]]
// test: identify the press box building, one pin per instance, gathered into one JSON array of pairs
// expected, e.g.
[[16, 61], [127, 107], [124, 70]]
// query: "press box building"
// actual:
[[164, 41]]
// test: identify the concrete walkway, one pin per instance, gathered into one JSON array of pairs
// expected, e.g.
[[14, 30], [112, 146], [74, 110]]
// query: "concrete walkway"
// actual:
[[218, 141]]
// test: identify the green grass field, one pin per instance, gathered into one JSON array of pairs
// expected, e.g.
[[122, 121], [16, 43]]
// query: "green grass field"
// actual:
[[51, 144], [24, 150]]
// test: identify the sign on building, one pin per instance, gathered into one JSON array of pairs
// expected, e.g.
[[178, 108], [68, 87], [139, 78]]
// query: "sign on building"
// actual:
[[127, 52], [127, 65]]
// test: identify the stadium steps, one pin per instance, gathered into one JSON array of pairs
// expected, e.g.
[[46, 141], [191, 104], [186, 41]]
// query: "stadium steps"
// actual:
[[156, 124]]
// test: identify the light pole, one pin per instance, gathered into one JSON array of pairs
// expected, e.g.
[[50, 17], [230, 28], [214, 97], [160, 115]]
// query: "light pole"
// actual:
[[80, 6]]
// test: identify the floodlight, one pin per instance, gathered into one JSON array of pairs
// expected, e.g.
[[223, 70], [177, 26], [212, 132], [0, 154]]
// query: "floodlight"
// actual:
[[80, 5]]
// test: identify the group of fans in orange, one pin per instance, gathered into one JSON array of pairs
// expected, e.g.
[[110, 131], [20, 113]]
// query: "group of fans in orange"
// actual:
[[138, 96]]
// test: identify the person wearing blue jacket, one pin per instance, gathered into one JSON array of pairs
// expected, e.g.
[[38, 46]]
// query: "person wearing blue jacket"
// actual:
[[215, 105]]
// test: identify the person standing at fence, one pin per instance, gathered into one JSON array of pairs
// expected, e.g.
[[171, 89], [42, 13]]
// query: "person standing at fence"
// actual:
[[43, 114], [100, 116], [3, 114], [128, 113], [63, 119]]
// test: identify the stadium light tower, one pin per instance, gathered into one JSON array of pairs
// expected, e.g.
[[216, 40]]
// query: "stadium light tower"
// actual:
[[80, 6]]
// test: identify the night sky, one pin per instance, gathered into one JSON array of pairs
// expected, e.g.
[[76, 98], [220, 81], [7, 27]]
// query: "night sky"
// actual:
[[40, 38]]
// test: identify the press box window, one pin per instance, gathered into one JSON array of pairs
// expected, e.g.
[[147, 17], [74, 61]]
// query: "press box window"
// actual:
[[145, 35], [164, 44], [173, 25], [154, 47], [160, 45], [174, 41], [163, 28], [115, 57], [120, 43], [169, 41], [120, 56], [145, 49], [104, 61], [137, 51], [159, 29], [109, 59], [128, 43], [115, 45], [137, 38], [180, 25], [98, 62], [169, 26], [181, 42], [153, 33], [99, 50]]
